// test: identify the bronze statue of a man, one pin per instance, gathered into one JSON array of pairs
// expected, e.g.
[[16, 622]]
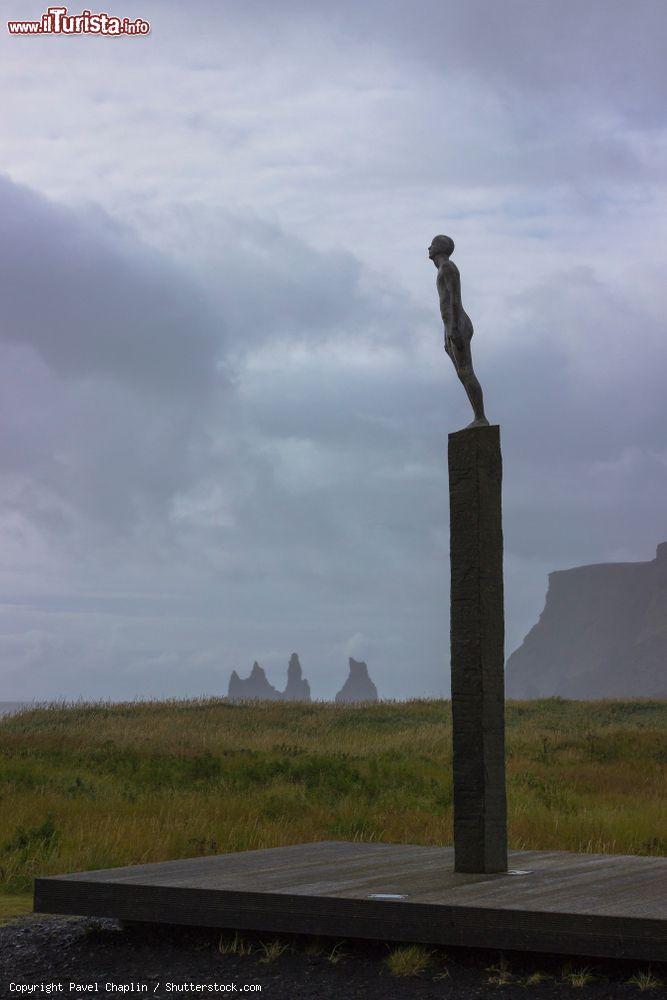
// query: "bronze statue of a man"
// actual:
[[458, 326]]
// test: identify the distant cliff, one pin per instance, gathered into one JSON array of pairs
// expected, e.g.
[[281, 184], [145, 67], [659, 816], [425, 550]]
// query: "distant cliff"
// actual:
[[602, 634], [358, 686]]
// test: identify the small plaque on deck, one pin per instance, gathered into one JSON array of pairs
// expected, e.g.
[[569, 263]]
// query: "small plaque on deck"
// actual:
[[386, 895]]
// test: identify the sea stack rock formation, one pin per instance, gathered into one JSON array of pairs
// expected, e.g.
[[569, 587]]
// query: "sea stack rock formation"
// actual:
[[255, 687], [602, 634], [298, 688], [358, 686]]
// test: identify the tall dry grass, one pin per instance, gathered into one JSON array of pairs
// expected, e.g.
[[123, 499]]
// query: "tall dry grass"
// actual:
[[87, 786]]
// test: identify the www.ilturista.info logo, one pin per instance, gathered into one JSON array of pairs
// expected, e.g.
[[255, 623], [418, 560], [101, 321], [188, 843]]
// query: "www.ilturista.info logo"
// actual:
[[56, 21]]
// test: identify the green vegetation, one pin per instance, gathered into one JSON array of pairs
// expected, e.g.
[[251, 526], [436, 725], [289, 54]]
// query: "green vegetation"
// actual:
[[100, 785], [14, 906]]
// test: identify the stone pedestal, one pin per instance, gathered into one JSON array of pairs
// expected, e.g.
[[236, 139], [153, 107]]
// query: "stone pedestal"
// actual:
[[477, 650]]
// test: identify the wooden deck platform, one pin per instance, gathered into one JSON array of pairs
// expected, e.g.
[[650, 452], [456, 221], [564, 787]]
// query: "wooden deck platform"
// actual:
[[580, 904]]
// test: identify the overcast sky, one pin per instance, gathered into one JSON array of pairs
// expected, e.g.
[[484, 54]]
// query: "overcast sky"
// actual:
[[225, 400]]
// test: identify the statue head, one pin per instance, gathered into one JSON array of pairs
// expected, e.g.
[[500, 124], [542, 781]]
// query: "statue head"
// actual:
[[441, 246]]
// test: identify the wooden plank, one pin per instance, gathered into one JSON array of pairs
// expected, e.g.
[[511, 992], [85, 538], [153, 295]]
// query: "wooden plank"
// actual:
[[597, 905]]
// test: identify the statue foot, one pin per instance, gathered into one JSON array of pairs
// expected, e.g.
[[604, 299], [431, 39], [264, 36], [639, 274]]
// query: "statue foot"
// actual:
[[479, 422]]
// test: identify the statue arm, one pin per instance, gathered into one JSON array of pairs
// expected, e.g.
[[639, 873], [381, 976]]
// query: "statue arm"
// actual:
[[450, 304]]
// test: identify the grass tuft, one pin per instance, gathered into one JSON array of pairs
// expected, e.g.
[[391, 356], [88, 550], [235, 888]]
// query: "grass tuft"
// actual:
[[577, 977], [537, 977], [337, 954], [235, 945], [272, 950], [500, 973], [408, 960], [645, 980]]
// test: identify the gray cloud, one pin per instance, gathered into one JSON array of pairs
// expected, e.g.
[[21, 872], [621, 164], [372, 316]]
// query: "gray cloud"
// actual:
[[225, 396], [91, 300]]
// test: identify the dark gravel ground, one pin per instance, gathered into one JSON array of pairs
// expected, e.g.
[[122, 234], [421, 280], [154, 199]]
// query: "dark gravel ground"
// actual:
[[146, 959]]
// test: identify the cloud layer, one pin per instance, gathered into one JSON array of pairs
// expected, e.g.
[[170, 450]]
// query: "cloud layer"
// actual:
[[225, 396]]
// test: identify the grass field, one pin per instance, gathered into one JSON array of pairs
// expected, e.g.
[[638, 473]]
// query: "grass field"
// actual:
[[99, 785]]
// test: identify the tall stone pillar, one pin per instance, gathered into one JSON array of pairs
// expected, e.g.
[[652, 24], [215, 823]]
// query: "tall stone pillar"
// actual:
[[477, 650]]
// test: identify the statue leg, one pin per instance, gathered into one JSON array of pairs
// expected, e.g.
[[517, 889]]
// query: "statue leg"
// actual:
[[465, 372], [475, 395]]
